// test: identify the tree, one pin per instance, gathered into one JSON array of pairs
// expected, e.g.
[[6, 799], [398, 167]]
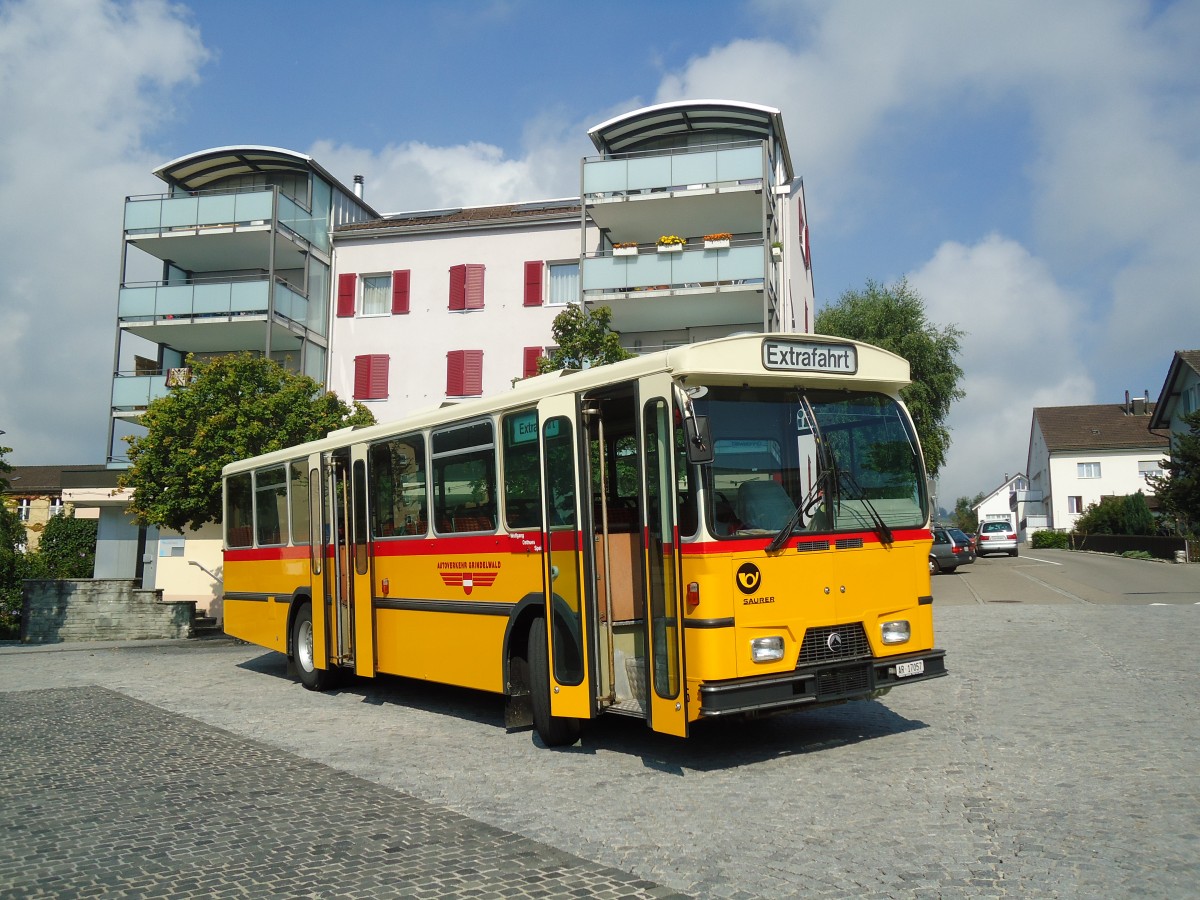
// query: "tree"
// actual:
[[964, 516], [893, 317], [584, 339], [1178, 489], [1117, 515], [5, 468], [13, 568], [67, 547], [232, 407]]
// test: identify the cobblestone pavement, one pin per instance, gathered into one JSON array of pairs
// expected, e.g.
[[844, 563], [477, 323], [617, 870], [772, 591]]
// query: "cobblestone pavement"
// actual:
[[1059, 759]]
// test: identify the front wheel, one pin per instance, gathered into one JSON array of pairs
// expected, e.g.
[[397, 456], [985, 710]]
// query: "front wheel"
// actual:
[[555, 731], [303, 652]]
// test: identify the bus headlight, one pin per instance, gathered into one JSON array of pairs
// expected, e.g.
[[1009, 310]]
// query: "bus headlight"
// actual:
[[896, 632], [766, 649]]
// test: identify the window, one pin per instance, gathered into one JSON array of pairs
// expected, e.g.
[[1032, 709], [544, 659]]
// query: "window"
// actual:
[[1148, 467], [1088, 470], [464, 478], [24, 507], [376, 295], [56, 506], [522, 488], [533, 283], [299, 495], [1074, 504], [399, 500], [464, 373], [531, 357], [270, 505], [371, 377], [564, 284], [239, 513], [466, 287]]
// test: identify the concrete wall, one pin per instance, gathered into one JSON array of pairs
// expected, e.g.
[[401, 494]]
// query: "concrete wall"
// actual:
[[99, 610]]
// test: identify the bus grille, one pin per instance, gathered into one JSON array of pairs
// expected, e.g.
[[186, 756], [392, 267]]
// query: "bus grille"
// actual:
[[844, 681], [820, 645]]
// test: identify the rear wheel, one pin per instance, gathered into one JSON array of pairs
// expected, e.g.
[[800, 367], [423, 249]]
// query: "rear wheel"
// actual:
[[555, 731], [934, 566], [1014, 552], [303, 652]]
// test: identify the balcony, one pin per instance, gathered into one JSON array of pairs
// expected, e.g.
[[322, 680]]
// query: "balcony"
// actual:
[[706, 189], [654, 291], [235, 227], [219, 315], [132, 393]]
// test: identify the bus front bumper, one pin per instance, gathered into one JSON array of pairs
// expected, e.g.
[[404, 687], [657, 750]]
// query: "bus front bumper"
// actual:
[[858, 679]]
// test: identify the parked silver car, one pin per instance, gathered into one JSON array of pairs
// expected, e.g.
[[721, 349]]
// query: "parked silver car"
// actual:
[[996, 537], [946, 554]]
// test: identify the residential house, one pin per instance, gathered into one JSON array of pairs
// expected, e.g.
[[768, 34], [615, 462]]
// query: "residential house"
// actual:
[[1180, 393], [1000, 504], [36, 494], [1078, 454]]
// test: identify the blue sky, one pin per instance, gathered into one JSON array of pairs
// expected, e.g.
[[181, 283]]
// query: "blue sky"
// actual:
[[1031, 168]]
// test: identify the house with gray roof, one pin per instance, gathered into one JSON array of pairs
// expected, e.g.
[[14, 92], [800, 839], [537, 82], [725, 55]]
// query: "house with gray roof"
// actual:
[[1078, 454]]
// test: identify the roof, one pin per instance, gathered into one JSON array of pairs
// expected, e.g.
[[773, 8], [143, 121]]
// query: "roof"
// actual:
[[42, 479], [628, 131], [1106, 426], [196, 171], [1170, 390], [1008, 481], [432, 219]]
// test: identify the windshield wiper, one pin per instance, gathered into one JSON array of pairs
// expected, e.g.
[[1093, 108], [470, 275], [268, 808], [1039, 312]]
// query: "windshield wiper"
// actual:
[[881, 528], [803, 508]]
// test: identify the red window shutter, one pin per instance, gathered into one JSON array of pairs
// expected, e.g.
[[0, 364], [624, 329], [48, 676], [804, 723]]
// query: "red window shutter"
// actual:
[[472, 373], [807, 250], [347, 285], [458, 287], [533, 283], [532, 355], [371, 376], [400, 281], [474, 286], [455, 362]]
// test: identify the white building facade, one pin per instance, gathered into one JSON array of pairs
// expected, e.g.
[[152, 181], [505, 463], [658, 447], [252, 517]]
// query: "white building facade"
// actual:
[[1079, 454]]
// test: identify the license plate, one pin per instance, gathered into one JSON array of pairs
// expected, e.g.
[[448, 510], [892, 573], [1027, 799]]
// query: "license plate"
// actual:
[[903, 670]]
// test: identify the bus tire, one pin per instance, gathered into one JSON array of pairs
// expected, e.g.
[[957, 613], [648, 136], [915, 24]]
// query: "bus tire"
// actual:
[[555, 731], [303, 653]]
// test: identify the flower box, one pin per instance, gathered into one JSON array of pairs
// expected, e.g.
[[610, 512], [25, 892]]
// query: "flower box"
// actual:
[[670, 248], [777, 253], [717, 244], [625, 251]]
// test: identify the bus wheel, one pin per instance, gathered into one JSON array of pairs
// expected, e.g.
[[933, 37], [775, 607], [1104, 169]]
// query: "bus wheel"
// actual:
[[303, 654], [555, 731]]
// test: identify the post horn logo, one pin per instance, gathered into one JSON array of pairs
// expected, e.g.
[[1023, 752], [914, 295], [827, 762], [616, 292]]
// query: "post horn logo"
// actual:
[[749, 578]]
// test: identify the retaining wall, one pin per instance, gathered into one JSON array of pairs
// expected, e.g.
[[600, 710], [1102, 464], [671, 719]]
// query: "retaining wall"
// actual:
[[100, 609]]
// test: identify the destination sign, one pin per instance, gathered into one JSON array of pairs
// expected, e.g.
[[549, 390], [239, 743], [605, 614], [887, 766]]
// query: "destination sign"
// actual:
[[806, 356]]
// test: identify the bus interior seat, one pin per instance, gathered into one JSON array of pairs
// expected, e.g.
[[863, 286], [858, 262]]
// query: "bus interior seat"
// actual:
[[764, 504]]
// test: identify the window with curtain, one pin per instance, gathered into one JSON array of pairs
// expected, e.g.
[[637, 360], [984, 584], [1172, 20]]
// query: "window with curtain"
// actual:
[[376, 295], [564, 284]]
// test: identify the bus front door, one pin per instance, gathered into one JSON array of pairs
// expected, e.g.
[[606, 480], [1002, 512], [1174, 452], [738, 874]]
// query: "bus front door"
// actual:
[[564, 562], [667, 694], [339, 584]]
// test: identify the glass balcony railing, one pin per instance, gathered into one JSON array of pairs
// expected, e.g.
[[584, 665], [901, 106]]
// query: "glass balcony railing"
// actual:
[[134, 392], [163, 302], [168, 213], [674, 170], [687, 268]]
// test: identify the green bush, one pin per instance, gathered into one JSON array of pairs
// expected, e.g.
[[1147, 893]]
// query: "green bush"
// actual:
[[1052, 540], [1136, 554]]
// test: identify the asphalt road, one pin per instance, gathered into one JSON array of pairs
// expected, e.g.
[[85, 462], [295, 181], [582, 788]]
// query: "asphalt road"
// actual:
[[1058, 759]]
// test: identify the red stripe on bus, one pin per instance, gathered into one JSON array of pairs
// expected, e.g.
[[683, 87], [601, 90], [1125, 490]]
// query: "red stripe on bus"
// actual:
[[257, 554]]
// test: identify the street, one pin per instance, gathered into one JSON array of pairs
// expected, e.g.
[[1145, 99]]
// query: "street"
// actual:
[[1058, 759]]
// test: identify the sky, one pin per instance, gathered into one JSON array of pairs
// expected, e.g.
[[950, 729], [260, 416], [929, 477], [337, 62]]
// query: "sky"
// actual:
[[1031, 168]]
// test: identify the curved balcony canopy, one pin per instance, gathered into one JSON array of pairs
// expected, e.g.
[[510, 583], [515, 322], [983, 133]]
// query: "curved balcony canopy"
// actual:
[[199, 171], [633, 131]]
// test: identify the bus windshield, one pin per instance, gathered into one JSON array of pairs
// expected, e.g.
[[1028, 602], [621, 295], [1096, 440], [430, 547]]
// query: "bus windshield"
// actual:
[[809, 461]]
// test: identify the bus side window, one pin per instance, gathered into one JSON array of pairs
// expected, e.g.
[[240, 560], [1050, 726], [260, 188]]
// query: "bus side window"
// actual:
[[270, 505], [399, 498], [239, 512], [464, 478]]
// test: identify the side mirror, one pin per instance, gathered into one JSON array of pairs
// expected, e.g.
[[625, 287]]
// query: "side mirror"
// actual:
[[699, 440]]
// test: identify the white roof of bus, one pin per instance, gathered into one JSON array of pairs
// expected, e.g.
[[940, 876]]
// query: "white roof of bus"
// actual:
[[730, 360]]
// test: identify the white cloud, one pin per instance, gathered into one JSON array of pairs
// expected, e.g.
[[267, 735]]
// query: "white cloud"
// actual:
[[1022, 349], [82, 82]]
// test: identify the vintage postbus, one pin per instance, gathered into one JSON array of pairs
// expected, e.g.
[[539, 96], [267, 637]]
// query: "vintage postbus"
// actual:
[[727, 528]]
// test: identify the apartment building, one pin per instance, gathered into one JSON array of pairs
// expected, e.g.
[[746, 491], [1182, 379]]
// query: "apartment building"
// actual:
[[690, 225]]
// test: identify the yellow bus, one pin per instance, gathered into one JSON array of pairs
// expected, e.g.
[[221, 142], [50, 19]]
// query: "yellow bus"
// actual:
[[735, 527]]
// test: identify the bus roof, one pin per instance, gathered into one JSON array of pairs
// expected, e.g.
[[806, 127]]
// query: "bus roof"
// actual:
[[754, 359]]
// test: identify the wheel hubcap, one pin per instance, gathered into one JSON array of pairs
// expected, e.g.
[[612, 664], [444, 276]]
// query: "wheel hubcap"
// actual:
[[304, 647]]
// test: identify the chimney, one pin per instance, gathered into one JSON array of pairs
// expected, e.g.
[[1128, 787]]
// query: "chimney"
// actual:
[[358, 191], [1137, 406], [1128, 407]]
